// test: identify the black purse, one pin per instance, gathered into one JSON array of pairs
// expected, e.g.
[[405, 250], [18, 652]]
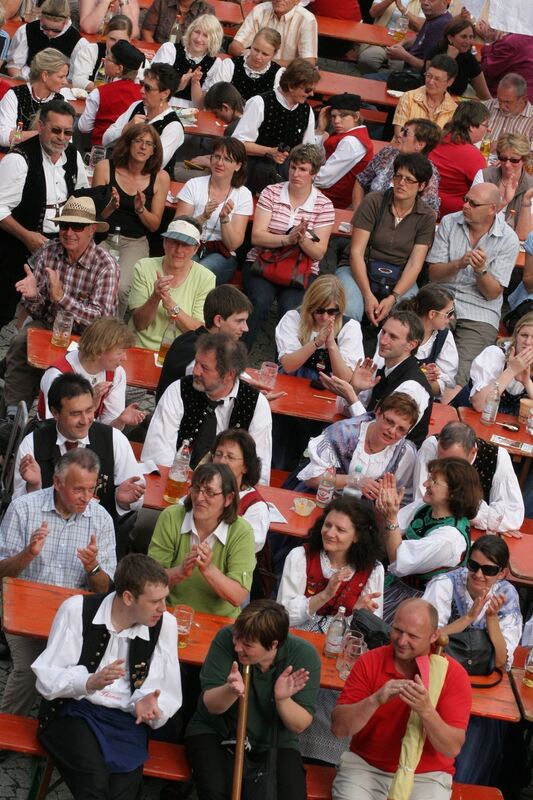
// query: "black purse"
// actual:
[[375, 631], [474, 650]]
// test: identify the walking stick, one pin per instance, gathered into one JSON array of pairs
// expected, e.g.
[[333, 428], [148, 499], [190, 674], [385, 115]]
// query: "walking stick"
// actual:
[[442, 642], [242, 718]]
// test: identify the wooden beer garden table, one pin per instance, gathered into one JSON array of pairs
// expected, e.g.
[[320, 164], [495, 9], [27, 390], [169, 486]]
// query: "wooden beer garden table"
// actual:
[[360, 32], [29, 609], [473, 418], [140, 367], [523, 693]]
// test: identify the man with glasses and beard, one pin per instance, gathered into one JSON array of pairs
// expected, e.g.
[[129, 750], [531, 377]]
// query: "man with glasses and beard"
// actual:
[[473, 255], [36, 178], [70, 274]]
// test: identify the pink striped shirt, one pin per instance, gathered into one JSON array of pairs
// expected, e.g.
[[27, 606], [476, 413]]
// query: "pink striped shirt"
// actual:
[[317, 210]]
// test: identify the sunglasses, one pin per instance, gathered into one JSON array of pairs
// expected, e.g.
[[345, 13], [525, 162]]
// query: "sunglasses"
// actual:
[[448, 314], [468, 200], [488, 570], [331, 312], [57, 131], [148, 88], [74, 226], [505, 159]]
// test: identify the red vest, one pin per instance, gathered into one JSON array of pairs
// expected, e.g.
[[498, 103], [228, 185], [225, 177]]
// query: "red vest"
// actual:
[[115, 98], [347, 594], [248, 500], [340, 193], [341, 9], [64, 365]]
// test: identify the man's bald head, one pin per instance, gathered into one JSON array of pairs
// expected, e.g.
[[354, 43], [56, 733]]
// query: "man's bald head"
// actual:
[[418, 606], [485, 199]]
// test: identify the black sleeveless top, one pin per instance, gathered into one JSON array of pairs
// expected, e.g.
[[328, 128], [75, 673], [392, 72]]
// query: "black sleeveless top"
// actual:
[[160, 125], [248, 87], [182, 64], [37, 40], [125, 216], [99, 57], [28, 105], [281, 126]]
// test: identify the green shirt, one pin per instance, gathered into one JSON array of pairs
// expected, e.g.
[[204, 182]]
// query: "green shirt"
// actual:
[[190, 296], [296, 652], [233, 553]]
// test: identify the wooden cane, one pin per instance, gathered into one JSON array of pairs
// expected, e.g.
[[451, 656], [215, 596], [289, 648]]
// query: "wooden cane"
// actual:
[[442, 642], [242, 719]]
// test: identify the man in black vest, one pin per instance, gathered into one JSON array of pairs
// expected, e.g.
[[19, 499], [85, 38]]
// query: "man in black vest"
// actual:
[[53, 29], [399, 339], [199, 406], [119, 489], [112, 678], [61, 536], [36, 178], [502, 496]]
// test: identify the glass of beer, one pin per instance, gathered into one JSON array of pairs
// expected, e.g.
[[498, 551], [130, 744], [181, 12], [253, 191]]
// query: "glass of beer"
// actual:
[[62, 328], [184, 617]]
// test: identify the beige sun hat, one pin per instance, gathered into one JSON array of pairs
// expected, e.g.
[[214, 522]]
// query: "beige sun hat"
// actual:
[[82, 210]]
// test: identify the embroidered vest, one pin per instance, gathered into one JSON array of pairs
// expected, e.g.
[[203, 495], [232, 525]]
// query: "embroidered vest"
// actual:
[[46, 453], [346, 595], [95, 641], [485, 465], [63, 365], [510, 403], [115, 98], [436, 348], [196, 405], [407, 370], [102, 47], [248, 87], [182, 64], [420, 526], [340, 193], [281, 126], [37, 40], [28, 106]]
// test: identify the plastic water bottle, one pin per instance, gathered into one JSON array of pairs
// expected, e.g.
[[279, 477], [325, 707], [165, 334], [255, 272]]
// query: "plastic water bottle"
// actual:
[[17, 135], [178, 476], [492, 403], [326, 487], [354, 481], [114, 244], [335, 634]]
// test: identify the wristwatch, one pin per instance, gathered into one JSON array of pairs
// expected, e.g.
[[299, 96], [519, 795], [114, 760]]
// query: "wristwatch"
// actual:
[[481, 272], [391, 526], [95, 570], [174, 311]]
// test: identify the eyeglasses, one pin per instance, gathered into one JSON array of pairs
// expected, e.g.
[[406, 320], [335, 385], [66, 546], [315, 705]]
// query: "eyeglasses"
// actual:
[[404, 179], [435, 78], [505, 159], [209, 493], [331, 312], [488, 570], [148, 88], [219, 455], [74, 226], [436, 482], [56, 130], [468, 200], [448, 314], [145, 142]]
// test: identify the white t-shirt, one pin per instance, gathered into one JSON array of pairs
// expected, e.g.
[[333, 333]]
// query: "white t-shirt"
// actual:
[[196, 192]]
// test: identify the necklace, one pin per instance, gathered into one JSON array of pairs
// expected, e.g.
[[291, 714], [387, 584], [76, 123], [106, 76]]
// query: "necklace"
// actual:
[[398, 217]]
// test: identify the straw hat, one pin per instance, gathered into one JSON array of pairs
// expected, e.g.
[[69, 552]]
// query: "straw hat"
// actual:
[[82, 210]]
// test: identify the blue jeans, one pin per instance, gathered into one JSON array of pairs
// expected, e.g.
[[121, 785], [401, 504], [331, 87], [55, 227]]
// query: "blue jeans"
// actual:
[[222, 267], [355, 305], [262, 294]]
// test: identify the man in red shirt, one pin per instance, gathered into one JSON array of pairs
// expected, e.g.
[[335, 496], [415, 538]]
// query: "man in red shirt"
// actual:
[[383, 688]]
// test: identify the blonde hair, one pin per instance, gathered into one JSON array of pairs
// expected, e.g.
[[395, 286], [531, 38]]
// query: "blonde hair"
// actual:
[[326, 289], [103, 335], [270, 35], [56, 9], [526, 320], [514, 141], [208, 24], [47, 60], [2, 15]]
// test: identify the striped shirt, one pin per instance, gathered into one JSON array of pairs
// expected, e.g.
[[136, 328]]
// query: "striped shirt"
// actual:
[[58, 562], [317, 210], [501, 247], [5, 40], [90, 285], [509, 123]]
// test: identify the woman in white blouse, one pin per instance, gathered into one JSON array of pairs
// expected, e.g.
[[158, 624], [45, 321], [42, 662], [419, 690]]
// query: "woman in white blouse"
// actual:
[[431, 538], [477, 597], [437, 354], [509, 367], [317, 337], [236, 448], [222, 205], [337, 566]]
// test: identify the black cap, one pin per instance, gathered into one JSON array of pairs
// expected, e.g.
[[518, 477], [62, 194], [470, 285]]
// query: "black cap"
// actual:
[[345, 102], [127, 55]]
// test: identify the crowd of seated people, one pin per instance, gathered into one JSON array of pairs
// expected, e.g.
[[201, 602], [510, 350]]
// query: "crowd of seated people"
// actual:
[[389, 267]]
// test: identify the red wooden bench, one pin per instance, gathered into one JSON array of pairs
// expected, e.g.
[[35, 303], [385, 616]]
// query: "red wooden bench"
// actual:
[[167, 761]]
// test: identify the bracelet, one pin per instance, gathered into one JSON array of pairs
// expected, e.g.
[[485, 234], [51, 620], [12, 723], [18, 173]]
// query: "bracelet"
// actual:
[[317, 346], [141, 210], [95, 570], [395, 295], [392, 526], [224, 221]]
